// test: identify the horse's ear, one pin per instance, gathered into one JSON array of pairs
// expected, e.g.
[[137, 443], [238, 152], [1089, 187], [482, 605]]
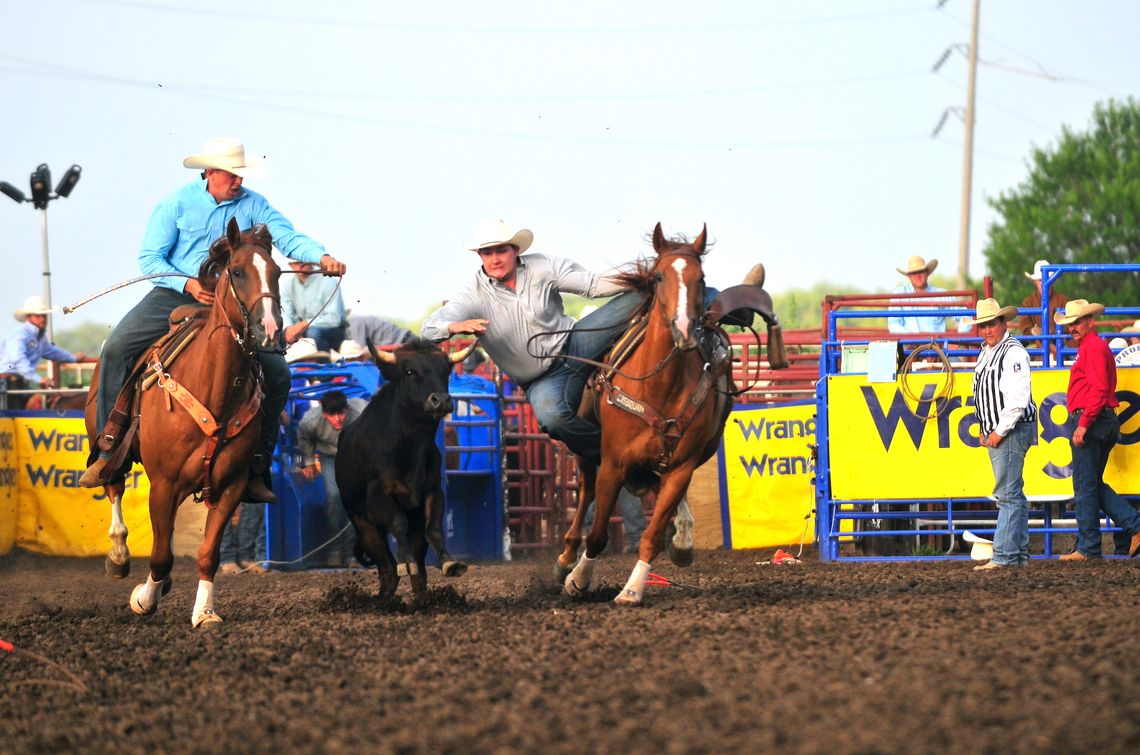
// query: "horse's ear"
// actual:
[[658, 239], [233, 234], [262, 237], [699, 241]]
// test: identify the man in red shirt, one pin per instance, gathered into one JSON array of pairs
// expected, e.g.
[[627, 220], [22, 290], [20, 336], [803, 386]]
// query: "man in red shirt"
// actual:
[[1096, 428]]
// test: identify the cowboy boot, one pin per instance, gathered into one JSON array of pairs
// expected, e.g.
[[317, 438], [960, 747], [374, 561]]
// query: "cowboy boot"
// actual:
[[258, 488], [97, 474]]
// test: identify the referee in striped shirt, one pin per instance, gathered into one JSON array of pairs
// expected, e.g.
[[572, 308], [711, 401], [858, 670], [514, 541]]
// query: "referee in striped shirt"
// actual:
[[1007, 425]]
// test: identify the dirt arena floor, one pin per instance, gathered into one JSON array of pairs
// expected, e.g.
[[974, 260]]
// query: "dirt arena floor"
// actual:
[[792, 658]]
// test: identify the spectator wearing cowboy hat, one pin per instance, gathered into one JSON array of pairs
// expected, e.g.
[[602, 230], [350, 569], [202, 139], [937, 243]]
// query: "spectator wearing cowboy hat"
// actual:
[[25, 346], [312, 307], [177, 240], [1095, 430], [1007, 425], [917, 271], [1030, 321]]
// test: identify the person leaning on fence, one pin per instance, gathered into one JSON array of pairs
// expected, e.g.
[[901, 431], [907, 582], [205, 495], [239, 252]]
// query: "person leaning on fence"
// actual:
[[1095, 430], [312, 307], [1007, 425], [25, 346], [1030, 321], [362, 328], [917, 272], [318, 434], [177, 240]]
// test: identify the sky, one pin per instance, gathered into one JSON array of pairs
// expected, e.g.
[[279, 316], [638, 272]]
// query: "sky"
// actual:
[[801, 133]]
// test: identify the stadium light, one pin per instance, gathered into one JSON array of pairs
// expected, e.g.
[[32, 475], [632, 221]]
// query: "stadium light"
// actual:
[[40, 184]]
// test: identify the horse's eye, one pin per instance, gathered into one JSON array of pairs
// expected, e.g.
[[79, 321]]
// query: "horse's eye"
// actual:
[[236, 273], [658, 277]]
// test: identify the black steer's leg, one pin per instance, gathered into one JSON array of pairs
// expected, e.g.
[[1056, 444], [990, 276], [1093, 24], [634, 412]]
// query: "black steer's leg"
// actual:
[[419, 548], [433, 516], [373, 540]]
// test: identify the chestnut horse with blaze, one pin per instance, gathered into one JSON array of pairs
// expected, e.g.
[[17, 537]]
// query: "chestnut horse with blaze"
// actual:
[[661, 408], [199, 416]]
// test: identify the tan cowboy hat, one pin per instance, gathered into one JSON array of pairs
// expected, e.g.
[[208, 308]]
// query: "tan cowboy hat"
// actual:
[[916, 264], [1075, 310], [305, 350], [226, 154], [350, 349], [496, 232], [33, 305], [1036, 274], [1133, 328], [989, 309]]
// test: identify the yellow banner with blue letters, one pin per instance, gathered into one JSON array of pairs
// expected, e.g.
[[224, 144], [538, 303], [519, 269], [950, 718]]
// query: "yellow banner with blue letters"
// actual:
[[42, 508], [767, 496], [883, 444]]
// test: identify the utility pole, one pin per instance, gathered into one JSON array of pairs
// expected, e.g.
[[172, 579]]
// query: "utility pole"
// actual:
[[968, 155]]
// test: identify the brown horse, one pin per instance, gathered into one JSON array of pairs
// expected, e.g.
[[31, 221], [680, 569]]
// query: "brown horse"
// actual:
[[662, 413], [199, 421]]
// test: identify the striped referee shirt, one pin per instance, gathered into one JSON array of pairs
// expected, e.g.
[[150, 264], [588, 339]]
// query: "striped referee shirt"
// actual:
[[1002, 392]]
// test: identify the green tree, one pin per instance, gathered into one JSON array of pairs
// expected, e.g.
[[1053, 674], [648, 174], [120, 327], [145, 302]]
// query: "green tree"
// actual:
[[1080, 204]]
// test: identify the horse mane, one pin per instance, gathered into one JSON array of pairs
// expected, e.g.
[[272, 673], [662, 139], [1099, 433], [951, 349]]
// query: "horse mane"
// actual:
[[640, 275]]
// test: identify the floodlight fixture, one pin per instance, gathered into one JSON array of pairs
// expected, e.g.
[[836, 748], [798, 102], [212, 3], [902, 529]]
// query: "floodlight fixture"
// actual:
[[67, 183], [12, 192], [40, 181]]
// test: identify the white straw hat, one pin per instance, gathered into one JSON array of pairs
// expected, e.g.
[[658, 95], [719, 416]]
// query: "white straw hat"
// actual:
[[916, 264], [989, 309], [229, 155], [33, 305], [305, 350], [1075, 310], [1036, 274], [496, 232]]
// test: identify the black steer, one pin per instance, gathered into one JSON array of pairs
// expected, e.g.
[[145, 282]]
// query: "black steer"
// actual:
[[388, 465]]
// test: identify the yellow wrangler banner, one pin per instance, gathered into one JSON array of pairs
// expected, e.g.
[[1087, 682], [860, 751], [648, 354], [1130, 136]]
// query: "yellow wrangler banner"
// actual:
[[884, 445], [765, 476], [42, 509]]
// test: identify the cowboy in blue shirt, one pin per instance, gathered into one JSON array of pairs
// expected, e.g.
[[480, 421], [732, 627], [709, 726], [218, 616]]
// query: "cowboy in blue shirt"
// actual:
[[177, 240], [28, 344]]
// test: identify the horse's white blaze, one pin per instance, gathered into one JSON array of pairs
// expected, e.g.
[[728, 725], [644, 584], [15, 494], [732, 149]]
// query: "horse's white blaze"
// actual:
[[681, 318], [635, 586], [579, 578], [267, 319], [203, 603]]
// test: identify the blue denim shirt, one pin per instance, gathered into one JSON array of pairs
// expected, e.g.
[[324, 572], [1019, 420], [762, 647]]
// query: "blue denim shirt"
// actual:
[[185, 223], [25, 347]]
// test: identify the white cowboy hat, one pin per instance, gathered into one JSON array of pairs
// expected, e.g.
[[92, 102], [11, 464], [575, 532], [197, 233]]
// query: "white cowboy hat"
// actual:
[[350, 349], [980, 548], [916, 264], [496, 232], [1036, 274], [1133, 328], [1075, 310], [989, 309], [1117, 343], [226, 154], [305, 350], [33, 305]]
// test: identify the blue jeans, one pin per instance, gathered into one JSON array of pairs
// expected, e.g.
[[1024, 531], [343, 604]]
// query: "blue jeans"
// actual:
[[1090, 492], [556, 394], [326, 339], [146, 323], [1011, 538], [336, 518], [245, 541]]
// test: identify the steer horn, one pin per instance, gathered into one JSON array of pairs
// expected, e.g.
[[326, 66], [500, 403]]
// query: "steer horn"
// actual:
[[378, 356], [459, 356]]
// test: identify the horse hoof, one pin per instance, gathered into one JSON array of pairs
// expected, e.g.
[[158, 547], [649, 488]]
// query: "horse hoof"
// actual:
[[681, 557], [207, 620], [117, 570], [628, 598], [561, 572], [573, 590], [137, 607], [454, 568]]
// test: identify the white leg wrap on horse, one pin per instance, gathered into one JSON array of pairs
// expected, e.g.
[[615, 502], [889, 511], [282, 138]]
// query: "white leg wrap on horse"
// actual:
[[579, 578], [204, 603], [635, 587], [149, 593]]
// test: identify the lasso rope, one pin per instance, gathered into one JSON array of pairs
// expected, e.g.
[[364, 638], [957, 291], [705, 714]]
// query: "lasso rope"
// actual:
[[942, 395]]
